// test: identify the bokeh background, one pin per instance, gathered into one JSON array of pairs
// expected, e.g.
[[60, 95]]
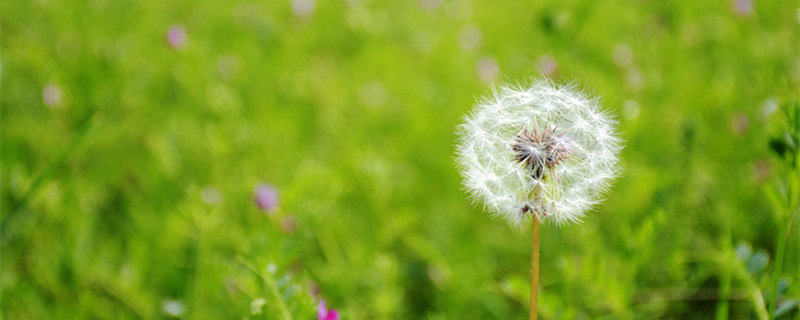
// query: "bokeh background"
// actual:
[[135, 134]]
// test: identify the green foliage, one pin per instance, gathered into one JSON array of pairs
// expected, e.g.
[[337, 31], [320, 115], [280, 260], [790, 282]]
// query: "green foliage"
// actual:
[[128, 163]]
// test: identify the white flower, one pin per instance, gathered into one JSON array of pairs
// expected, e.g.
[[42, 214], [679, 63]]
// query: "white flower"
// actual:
[[543, 149]]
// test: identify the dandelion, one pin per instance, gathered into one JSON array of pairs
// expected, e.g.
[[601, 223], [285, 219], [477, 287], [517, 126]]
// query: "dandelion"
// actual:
[[324, 314], [266, 197], [542, 153]]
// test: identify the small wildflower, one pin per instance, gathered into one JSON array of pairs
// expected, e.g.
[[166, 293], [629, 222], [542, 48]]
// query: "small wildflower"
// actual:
[[51, 95], [177, 37], [324, 314], [266, 197], [257, 306], [743, 7], [545, 150], [173, 308]]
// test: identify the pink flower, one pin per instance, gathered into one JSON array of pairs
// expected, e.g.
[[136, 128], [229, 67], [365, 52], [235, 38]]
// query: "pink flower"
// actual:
[[743, 7], [324, 314], [266, 197], [177, 37]]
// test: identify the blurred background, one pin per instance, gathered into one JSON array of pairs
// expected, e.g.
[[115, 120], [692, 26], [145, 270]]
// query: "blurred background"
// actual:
[[169, 159]]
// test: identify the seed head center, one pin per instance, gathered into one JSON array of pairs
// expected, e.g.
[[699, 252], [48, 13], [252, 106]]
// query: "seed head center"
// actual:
[[540, 149]]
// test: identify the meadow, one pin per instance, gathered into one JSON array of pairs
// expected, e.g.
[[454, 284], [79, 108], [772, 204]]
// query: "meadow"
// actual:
[[136, 137]]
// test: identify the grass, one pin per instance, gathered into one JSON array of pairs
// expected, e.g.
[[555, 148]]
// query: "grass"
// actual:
[[134, 189]]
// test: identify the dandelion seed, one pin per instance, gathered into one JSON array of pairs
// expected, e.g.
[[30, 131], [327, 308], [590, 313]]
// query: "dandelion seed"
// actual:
[[546, 151]]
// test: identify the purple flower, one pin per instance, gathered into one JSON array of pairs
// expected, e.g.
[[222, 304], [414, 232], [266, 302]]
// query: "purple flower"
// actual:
[[324, 314], [266, 197], [177, 36], [743, 7]]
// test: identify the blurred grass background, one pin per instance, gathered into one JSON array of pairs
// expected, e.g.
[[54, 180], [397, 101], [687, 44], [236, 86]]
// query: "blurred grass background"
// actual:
[[134, 134]]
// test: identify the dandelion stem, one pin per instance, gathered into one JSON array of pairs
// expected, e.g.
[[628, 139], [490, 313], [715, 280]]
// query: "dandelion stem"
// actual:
[[534, 312]]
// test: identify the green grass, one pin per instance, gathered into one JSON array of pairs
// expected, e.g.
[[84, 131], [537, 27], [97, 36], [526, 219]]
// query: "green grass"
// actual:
[[350, 112]]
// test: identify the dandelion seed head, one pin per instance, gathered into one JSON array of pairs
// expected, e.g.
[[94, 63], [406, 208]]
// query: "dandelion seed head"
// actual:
[[542, 150]]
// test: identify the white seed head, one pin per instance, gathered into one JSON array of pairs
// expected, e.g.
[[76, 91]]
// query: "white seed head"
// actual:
[[543, 150]]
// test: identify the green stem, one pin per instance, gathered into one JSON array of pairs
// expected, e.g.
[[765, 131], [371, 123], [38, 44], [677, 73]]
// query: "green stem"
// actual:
[[49, 171], [534, 306], [723, 305], [282, 306], [776, 272], [754, 291]]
